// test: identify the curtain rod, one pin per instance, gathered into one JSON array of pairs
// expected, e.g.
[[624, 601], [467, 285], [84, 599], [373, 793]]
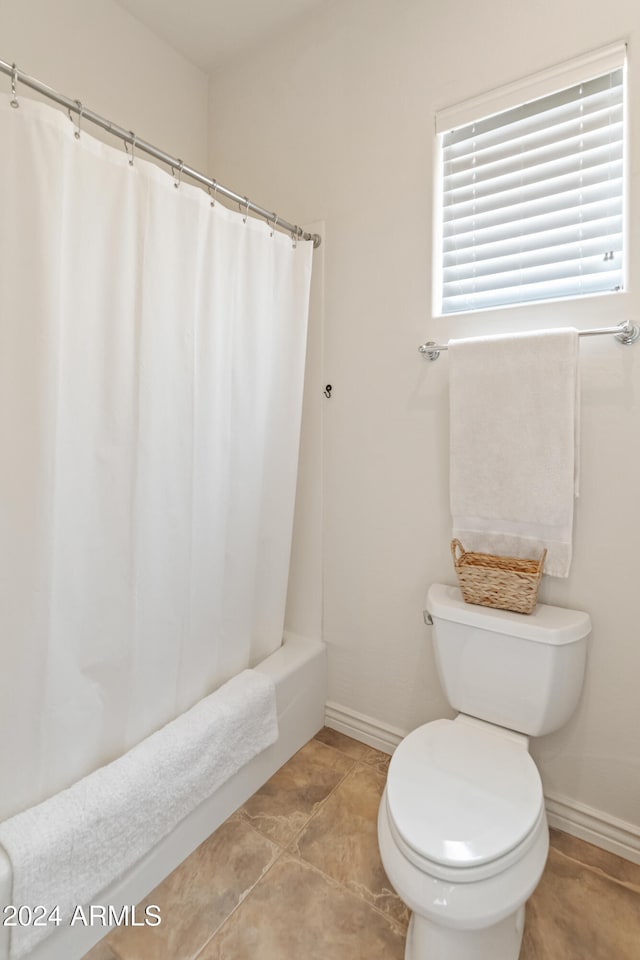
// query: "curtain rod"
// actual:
[[626, 332], [128, 136]]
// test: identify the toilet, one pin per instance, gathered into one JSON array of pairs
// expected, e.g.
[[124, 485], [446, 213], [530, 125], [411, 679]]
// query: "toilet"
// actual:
[[462, 827]]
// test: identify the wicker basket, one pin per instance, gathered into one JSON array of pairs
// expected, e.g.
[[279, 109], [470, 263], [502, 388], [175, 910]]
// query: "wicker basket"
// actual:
[[507, 583]]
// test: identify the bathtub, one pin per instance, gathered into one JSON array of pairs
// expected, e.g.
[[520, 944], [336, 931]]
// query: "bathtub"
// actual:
[[298, 669]]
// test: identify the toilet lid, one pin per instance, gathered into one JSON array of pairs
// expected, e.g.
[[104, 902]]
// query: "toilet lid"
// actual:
[[462, 795]]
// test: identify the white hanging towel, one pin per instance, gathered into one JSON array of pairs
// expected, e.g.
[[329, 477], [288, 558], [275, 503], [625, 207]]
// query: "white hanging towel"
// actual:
[[514, 425]]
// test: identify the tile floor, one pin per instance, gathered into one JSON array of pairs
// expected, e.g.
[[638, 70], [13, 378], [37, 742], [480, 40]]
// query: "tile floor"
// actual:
[[295, 875]]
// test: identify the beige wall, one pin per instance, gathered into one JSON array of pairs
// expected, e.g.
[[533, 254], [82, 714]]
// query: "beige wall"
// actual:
[[335, 122], [95, 52]]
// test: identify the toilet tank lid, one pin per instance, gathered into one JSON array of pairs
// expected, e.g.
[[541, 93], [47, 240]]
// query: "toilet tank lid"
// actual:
[[547, 624]]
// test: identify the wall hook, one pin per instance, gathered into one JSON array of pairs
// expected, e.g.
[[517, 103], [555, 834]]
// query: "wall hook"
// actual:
[[327, 391]]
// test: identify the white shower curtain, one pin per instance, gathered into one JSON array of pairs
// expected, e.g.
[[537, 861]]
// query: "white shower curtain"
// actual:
[[151, 370]]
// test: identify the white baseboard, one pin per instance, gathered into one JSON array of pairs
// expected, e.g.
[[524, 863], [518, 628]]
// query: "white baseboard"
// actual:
[[563, 813], [382, 736], [594, 826]]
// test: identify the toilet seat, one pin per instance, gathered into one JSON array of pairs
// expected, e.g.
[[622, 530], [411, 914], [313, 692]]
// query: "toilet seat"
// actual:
[[464, 798]]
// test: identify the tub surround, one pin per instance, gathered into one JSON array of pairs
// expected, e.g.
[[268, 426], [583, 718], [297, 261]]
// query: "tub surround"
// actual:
[[298, 670]]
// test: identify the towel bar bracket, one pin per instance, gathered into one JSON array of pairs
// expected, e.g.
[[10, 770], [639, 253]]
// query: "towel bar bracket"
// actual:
[[626, 333], [629, 333], [429, 350]]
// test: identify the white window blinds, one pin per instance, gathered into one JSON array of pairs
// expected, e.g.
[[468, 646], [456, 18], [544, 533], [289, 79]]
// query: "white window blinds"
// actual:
[[532, 199]]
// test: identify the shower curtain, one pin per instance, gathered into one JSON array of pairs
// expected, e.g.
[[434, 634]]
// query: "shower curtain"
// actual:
[[151, 370]]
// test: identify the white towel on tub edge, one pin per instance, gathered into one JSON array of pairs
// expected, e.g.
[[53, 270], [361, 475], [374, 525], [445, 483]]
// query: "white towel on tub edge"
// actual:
[[68, 848]]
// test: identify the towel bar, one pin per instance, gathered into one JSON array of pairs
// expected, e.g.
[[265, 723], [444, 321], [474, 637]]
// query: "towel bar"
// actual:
[[625, 332]]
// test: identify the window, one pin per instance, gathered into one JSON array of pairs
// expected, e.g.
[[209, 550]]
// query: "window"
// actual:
[[531, 192]]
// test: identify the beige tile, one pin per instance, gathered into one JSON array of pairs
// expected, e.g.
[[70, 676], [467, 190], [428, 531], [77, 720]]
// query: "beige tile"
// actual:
[[610, 864], [101, 951], [239, 897], [296, 913], [283, 806], [577, 913], [342, 840], [379, 760], [350, 747], [199, 895]]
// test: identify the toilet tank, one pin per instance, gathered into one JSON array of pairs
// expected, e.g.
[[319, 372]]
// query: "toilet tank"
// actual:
[[520, 671]]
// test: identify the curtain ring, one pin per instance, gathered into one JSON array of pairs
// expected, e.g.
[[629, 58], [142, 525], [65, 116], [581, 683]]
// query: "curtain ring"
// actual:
[[80, 112], [133, 147], [14, 79], [179, 177], [294, 236], [246, 212], [275, 224], [77, 132], [213, 196]]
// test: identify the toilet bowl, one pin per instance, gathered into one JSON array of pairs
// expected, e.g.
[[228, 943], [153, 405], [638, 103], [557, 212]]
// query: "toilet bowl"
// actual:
[[462, 828], [453, 779]]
